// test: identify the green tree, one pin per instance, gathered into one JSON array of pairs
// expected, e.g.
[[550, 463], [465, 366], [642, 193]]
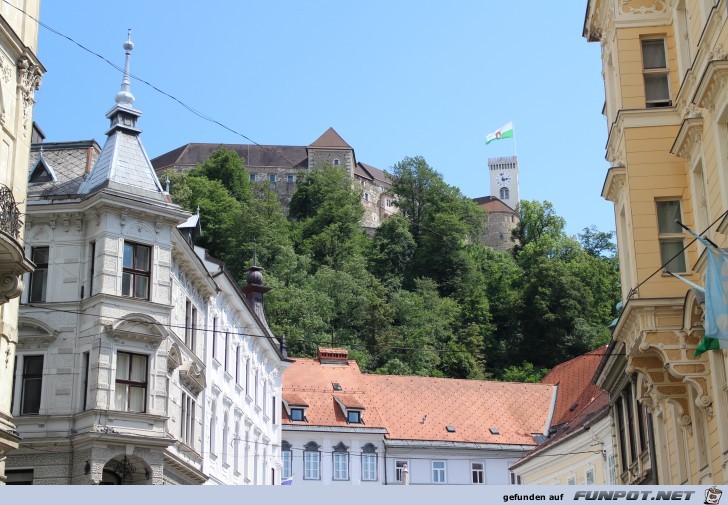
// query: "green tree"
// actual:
[[224, 165], [525, 372], [391, 251]]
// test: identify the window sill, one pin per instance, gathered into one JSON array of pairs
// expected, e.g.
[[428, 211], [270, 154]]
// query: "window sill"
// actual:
[[228, 377], [216, 362], [238, 388]]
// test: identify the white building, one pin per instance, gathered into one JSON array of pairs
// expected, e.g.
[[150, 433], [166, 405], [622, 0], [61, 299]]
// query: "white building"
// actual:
[[342, 427], [118, 378]]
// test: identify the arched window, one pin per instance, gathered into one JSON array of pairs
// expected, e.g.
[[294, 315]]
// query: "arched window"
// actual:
[[504, 193], [336, 162]]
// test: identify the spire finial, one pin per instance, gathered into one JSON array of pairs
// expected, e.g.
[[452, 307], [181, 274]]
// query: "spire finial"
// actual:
[[255, 253], [166, 185], [124, 97], [198, 207]]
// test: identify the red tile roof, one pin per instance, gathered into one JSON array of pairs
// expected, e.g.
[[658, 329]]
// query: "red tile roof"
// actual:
[[330, 139], [578, 402], [420, 408], [493, 204], [574, 379]]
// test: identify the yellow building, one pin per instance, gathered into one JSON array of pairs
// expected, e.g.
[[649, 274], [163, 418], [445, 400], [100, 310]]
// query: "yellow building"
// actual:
[[20, 73], [665, 69]]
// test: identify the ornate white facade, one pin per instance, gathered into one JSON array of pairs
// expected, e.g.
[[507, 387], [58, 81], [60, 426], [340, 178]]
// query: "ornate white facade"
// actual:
[[116, 380]]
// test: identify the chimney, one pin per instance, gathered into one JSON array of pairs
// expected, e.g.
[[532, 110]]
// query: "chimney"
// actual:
[[333, 356], [89, 157]]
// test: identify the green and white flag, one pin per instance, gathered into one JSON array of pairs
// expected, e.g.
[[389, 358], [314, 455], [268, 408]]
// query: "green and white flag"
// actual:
[[504, 132]]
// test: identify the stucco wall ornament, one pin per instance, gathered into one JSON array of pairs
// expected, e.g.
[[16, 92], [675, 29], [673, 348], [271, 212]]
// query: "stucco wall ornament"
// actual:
[[642, 6], [29, 78]]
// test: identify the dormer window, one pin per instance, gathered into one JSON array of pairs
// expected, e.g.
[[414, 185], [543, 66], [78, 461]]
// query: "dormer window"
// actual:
[[353, 417], [297, 414]]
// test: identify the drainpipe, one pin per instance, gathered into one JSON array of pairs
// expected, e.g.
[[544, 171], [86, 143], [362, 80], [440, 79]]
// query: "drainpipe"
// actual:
[[385, 463]]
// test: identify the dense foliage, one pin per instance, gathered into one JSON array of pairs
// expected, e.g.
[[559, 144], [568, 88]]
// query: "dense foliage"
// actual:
[[422, 295]]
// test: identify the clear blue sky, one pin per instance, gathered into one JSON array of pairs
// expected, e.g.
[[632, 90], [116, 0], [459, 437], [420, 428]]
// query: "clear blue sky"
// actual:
[[394, 78]]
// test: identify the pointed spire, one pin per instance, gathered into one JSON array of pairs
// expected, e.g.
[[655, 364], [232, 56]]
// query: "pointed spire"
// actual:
[[124, 98], [255, 253], [198, 209]]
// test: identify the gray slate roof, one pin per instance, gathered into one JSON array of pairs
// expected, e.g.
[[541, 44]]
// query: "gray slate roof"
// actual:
[[68, 160]]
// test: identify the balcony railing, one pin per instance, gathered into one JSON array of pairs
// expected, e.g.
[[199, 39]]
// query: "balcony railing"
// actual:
[[10, 221]]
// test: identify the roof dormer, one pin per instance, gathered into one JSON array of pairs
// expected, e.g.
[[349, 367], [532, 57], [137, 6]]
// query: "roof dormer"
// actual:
[[42, 172], [351, 407], [295, 407]]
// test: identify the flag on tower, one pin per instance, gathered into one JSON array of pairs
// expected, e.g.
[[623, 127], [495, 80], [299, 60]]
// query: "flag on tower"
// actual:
[[504, 132]]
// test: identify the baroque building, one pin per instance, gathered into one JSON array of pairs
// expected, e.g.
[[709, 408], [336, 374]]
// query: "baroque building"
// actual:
[[665, 69], [20, 76], [279, 166], [139, 360]]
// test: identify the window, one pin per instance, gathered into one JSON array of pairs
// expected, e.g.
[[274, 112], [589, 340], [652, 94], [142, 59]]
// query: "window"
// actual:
[[287, 457], [273, 410], [236, 448], [366, 197], [19, 477], [341, 462], [438, 472], [213, 429], [515, 479], [353, 416], [369, 463], [400, 470], [237, 365], [32, 385], [39, 278], [190, 325], [131, 382], [225, 437], [227, 351], [272, 180], [187, 425], [135, 276], [670, 235], [571, 481], [504, 193], [311, 462], [256, 385], [654, 65], [247, 377], [214, 337], [682, 37], [92, 261], [337, 162], [389, 202], [265, 398], [589, 477], [84, 382], [477, 473], [297, 415], [290, 178], [700, 200]]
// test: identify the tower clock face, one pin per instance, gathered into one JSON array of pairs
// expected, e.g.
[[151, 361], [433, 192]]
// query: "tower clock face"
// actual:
[[503, 179]]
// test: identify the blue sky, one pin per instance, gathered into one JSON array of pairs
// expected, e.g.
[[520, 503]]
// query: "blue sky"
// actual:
[[394, 78]]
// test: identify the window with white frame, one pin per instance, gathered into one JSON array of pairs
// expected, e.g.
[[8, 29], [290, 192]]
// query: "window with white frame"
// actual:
[[312, 462], [225, 437], [655, 73], [438, 472], [341, 462], [287, 458], [590, 476], [130, 394], [477, 473], [213, 428], [187, 417], [290, 178], [504, 193], [31, 385], [39, 277], [247, 377], [236, 448], [400, 469], [337, 162], [571, 481], [297, 414], [369, 462], [136, 271], [272, 180], [670, 235], [190, 325]]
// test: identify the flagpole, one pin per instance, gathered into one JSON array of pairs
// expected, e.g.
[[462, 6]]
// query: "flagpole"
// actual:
[[515, 146]]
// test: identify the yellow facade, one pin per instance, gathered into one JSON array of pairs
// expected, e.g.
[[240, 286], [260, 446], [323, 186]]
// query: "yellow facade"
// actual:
[[665, 67], [20, 73]]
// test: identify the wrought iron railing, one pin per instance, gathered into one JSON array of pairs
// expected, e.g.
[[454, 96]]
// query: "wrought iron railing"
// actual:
[[10, 221]]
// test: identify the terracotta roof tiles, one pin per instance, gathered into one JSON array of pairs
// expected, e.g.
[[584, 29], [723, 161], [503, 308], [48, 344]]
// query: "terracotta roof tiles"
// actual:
[[421, 408]]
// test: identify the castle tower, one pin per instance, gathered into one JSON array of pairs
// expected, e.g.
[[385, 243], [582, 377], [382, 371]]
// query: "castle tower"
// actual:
[[504, 179]]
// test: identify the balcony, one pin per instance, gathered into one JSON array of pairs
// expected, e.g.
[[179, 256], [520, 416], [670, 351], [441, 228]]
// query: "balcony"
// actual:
[[13, 262]]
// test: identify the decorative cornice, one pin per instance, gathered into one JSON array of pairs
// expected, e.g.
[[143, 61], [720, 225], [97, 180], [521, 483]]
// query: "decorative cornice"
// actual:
[[712, 84], [193, 378], [614, 182], [690, 134]]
